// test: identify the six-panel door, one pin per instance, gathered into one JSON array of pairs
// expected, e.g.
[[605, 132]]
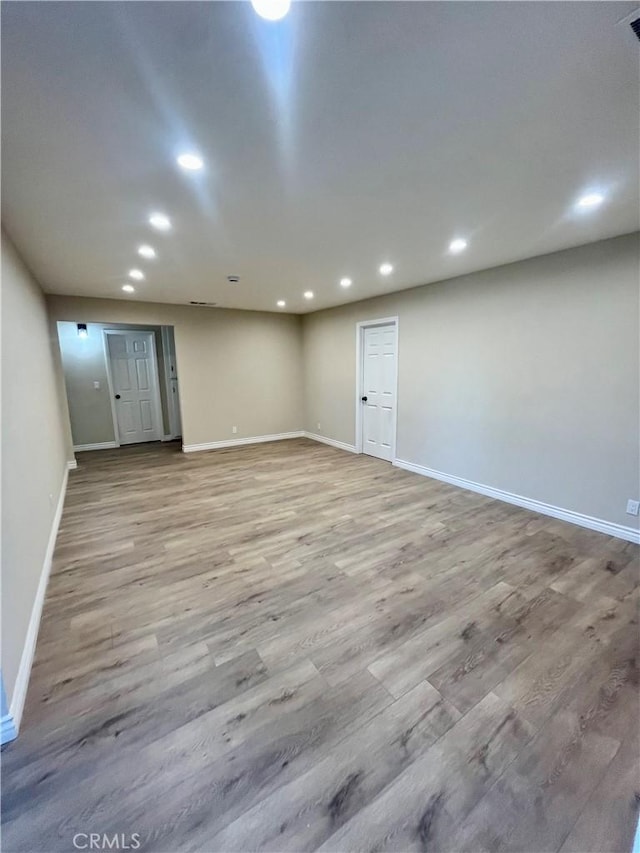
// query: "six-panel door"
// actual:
[[379, 387], [134, 386]]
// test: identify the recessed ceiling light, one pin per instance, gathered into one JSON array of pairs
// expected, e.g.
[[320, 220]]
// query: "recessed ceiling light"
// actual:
[[308, 294], [138, 275], [160, 221], [191, 162], [345, 282], [458, 245], [128, 288], [146, 251], [386, 269], [271, 10], [281, 303], [590, 200]]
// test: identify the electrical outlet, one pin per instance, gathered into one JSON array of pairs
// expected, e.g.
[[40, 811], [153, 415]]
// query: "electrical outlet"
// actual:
[[96, 384], [234, 429], [633, 507], [319, 427]]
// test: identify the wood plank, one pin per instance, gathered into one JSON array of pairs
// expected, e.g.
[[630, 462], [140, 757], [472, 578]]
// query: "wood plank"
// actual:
[[419, 810], [303, 813], [289, 647]]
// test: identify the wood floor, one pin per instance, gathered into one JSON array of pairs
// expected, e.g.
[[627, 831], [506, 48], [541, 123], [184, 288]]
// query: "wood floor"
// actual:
[[288, 647]]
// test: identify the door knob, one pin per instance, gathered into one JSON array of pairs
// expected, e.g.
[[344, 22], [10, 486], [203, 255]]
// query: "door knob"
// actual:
[[364, 399], [117, 396]]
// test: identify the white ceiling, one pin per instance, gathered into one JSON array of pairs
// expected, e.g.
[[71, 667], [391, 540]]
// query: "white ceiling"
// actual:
[[348, 134]]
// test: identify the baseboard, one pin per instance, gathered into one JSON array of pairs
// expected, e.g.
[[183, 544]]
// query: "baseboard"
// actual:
[[340, 445], [71, 464], [101, 445], [236, 442], [598, 524], [636, 840], [169, 437], [16, 706], [8, 730]]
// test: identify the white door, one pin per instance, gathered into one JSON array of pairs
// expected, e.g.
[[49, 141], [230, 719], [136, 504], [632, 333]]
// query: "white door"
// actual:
[[134, 378], [378, 390]]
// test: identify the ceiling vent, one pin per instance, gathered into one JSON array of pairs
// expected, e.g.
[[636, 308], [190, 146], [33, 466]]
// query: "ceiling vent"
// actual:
[[635, 26], [233, 279], [203, 304]]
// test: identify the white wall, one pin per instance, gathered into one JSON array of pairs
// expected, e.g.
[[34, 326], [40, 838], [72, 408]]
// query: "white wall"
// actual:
[[35, 441], [524, 377]]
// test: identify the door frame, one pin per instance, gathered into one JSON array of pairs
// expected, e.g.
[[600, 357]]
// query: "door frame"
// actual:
[[173, 407], [155, 382], [360, 328]]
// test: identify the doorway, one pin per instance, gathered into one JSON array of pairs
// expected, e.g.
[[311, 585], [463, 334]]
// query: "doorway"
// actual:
[[134, 385], [93, 363], [377, 388]]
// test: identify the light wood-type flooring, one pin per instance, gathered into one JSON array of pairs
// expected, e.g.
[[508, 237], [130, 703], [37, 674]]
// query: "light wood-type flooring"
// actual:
[[288, 647]]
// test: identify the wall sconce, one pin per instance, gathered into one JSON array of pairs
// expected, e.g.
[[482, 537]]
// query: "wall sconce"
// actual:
[[82, 330]]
